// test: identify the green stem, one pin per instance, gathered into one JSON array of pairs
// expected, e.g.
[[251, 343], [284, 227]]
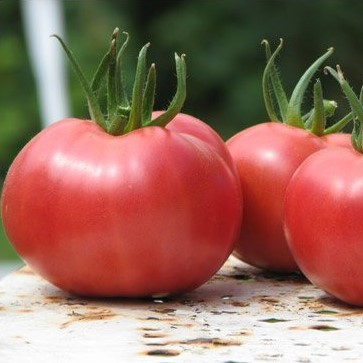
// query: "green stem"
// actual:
[[308, 118], [149, 95], [356, 106], [94, 107], [111, 84], [177, 102], [116, 124], [267, 88], [100, 73], [319, 120], [102, 68], [329, 109], [118, 105], [121, 94], [271, 78], [121, 116], [293, 115], [339, 125], [135, 120]]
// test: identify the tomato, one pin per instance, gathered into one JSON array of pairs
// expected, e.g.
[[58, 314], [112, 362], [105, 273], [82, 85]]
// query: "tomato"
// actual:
[[132, 203], [266, 157], [152, 212], [323, 221], [323, 210]]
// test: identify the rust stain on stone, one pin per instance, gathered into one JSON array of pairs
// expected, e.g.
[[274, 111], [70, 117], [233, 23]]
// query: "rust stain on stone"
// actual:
[[25, 311], [163, 352], [154, 335], [210, 342], [88, 316]]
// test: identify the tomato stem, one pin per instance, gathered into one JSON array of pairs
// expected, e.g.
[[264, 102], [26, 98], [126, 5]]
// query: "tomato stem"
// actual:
[[271, 84], [122, 116], [94, 107], [111, 84], [339, 125], [329, 109], [290, 109], [135, 120], [149, 95], [177, 102], [319, 118], [293, 113], [101, 71], [122, 99], [355, 104], [118, 104]]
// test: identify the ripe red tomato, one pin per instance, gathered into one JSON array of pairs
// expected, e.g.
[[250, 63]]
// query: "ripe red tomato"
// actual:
[[323, 221], [132, 204], [266, 157], [268, 154], [153, 212]]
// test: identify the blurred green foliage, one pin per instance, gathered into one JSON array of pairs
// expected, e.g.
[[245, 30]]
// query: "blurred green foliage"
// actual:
[[221, 39]]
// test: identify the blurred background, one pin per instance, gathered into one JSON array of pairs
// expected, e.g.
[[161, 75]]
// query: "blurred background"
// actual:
[[221, 38]]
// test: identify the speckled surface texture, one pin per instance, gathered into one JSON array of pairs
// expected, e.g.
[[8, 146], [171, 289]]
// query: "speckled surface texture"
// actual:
[[241, 315]]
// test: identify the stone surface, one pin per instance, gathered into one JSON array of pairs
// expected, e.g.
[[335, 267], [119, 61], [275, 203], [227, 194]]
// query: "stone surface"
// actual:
[[241, 315]]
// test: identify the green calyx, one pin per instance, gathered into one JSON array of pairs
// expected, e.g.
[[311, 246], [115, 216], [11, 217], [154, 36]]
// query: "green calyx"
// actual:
[[121, 115], [356, 104], [289, 110]]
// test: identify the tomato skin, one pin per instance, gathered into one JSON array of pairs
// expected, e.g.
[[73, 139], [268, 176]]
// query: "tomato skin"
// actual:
[[323, 221], [152, 212], [266, 156], [337, 139], [190, 125]]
